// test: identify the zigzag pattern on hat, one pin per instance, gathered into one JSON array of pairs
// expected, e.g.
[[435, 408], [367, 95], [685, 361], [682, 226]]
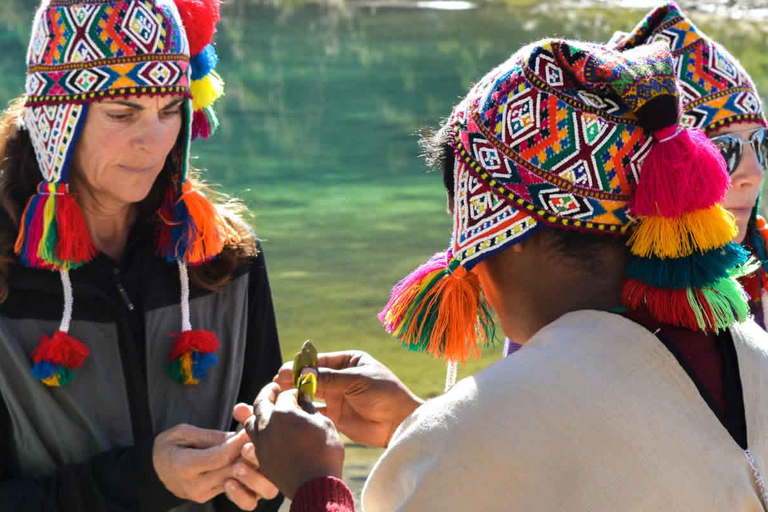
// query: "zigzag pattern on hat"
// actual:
[[715, 89], [531, 147]]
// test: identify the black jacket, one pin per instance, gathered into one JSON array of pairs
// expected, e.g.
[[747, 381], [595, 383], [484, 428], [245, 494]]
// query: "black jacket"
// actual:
[[88, 445]]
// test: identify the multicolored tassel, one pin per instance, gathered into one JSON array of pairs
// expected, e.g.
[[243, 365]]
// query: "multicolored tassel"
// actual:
[[207, 86], [698, 270], [51, 211], [191, 229], [204, 123], [684, 265], [57, 356], [192, 354], [439, 308]]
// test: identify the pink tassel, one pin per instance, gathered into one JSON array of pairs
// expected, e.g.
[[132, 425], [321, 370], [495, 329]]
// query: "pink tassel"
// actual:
[[200, 125], [683, 172]]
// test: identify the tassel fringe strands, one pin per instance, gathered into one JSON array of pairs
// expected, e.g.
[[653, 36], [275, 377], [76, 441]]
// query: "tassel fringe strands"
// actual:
[[190, 228], [50, 212], [684, 266], [439, 309]]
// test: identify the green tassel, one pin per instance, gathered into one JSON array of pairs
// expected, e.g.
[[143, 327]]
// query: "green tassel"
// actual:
[[725, 300]]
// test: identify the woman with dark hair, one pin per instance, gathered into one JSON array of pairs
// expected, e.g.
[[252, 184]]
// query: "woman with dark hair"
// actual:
[[135, 305]]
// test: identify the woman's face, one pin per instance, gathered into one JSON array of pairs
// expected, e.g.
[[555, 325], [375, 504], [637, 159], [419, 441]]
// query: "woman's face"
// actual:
[[123, 147], [746, 181]]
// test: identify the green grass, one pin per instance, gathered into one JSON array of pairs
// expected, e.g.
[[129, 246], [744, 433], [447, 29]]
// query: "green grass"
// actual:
[[333, 258]]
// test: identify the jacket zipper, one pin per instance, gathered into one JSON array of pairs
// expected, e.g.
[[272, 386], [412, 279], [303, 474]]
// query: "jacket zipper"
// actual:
[[121, 290]]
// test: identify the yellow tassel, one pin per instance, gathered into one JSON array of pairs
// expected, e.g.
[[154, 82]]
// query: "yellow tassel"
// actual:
[[678, 237], [52, 381], [206, 90], [186, 369]]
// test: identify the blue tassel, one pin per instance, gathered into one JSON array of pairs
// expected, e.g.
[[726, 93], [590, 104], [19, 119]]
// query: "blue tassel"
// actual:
[[183, 231], [44, 369], [695, 271], [201, 362], [204, 62]]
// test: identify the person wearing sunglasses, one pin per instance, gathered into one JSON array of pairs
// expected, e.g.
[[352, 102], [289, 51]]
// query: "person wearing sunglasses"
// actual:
[[720, 98], [745, 149]]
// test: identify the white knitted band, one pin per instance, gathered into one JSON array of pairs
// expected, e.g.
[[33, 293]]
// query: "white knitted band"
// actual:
[[450, 375], [186, 325], [66, 317]]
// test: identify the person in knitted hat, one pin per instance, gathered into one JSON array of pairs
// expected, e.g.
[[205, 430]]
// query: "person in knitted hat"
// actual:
[[136, 307], [719, 97], [591, 221]]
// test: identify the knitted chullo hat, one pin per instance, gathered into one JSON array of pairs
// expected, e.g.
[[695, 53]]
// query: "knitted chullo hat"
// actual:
[[83, 52], [716, 92], [572, 135]]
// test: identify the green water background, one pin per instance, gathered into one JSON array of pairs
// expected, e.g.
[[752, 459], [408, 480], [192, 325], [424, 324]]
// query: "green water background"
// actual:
[[318, 137]]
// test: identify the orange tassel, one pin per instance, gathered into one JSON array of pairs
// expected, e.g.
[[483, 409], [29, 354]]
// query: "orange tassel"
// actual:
[[440, 309]]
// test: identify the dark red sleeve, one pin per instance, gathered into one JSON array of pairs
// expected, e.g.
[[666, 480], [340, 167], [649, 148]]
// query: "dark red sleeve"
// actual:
[[327, 494]]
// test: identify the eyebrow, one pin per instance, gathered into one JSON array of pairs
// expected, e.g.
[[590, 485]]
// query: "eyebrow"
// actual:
[[136, 106]]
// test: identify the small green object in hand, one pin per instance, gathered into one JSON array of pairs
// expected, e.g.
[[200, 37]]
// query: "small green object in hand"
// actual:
[[305, 371]]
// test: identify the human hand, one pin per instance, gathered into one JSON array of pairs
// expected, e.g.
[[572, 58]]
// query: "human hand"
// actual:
[[364, 399], [247, 485], [293, 445], [193, 463]]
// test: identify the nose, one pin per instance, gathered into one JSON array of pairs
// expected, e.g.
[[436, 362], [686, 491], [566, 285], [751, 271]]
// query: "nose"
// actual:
[[148, 134], [749, 173]]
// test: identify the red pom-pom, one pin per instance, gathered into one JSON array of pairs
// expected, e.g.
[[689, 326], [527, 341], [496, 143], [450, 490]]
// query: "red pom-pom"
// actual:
[[680, 175], [74, 243], [198, 340], [199, 18], [61, 348]]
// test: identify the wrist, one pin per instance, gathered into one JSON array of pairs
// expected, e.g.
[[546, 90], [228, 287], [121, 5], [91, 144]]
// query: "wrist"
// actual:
[[409, 404], [312, 475]]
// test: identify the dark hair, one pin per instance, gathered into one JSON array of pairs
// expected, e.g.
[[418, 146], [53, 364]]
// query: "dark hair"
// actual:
[[437, 151], [583, 250], [19, 176]]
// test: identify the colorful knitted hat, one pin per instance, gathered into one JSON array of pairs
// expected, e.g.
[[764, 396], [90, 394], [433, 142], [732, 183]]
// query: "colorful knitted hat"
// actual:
[[716, 92], [573, 135], [81, 52]]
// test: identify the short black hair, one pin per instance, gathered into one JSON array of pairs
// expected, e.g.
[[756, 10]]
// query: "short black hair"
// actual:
[[584, 251], [438, 154]]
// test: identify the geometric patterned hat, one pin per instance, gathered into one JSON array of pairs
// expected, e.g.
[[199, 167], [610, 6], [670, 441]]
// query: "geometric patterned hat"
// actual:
[[574, 135], [715, 90], [81, 52]]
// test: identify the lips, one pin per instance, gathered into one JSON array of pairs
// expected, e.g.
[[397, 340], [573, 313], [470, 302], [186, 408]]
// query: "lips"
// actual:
[[139, 169], [741, 211]]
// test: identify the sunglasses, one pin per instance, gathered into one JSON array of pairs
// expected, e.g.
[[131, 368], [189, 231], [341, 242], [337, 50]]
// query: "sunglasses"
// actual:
[[732, 148]]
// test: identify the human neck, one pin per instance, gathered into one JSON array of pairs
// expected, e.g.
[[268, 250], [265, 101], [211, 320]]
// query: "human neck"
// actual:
[[572, 291], [109, 224], [527, 301]]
